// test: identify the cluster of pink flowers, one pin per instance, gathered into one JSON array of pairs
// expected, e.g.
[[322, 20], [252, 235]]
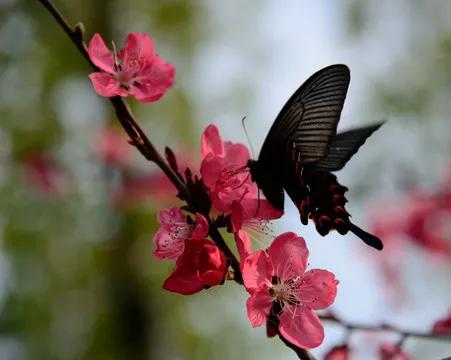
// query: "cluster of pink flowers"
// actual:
[[283, 295]]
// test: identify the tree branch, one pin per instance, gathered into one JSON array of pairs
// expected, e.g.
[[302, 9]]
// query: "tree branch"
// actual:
[[137, 136], [123, 112], [385, 327]]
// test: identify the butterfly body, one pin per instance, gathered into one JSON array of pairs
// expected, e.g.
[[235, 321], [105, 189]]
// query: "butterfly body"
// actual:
[[302, 148]]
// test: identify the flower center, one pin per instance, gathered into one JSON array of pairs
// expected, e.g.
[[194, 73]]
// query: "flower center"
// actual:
[[232, 177], [259, 225], [181, 230], [285, 293]]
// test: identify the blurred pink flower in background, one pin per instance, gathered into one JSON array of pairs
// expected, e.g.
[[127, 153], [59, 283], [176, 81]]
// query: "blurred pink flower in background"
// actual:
[[418, 219], [443, 326], [43, 173], [112, 147], [339, 352], [224, 170], [278, 277], [174, 230], [389, 351], [135, 70], [145, 188]]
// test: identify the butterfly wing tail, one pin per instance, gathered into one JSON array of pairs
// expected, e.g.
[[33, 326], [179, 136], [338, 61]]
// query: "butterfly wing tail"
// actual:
[[366, 237]]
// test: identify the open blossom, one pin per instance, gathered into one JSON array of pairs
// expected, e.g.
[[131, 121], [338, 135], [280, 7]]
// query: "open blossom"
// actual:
[[443, 326], [135, 70], [392, 352], [202, 264], [174, 230], [340, 352], [251, 215], [280, 287], [224, 170]]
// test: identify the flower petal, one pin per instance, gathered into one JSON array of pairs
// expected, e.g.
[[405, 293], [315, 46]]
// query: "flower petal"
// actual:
[[137, 46], [212, 264], [237, 216], [184, 279], [259, 208], [167, 247], [257, 271], [183, 282], [318, 289], [100, 55], [250, 209], [170, 216], [153, 82], [303, 328], [211, 142], [210, 170], [243, 245], [289, 254], [201, 229], [237, 153], [106, 85], [258, 307]]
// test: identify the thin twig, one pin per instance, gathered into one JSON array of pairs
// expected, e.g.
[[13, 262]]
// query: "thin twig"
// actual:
[[138, 138], [385, 327]]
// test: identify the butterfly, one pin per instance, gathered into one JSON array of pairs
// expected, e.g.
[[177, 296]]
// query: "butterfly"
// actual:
[[302, 149]]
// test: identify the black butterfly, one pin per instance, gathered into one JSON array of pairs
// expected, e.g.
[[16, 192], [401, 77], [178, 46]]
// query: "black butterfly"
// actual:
[[303, 147]]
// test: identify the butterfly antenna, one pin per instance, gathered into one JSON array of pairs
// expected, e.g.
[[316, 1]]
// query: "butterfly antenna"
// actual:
[[247, 136]]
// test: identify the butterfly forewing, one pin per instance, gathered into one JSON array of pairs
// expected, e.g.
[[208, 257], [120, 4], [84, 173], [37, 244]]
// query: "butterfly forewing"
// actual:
[[309, 119], [322, 101]]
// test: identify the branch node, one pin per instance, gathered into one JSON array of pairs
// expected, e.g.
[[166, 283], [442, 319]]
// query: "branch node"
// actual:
[[79, 31]]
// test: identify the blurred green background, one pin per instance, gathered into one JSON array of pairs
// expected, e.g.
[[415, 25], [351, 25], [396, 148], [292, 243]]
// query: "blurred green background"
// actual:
[[77, 279]]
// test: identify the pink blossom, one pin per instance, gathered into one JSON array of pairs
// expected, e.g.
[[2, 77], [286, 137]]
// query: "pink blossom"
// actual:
[[137, 188], [112, 147], [224, 170], [43, 173], [202, 264], [340, 352], [279, 285], [392, 352], [174, 230], [251, 215], [443, 326], [135, 70]]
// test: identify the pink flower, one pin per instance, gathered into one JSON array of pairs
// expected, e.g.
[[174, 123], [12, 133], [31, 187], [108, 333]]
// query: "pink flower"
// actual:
[[392, 352], [251, 215], [443, 326], [340, 352], [174, 230], [280, 287], [135, 70], [201, 265], [224, 170], [112, 147], [43, 173]]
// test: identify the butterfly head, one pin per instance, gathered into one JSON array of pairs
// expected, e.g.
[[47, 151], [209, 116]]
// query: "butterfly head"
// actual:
[[254, 170]]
